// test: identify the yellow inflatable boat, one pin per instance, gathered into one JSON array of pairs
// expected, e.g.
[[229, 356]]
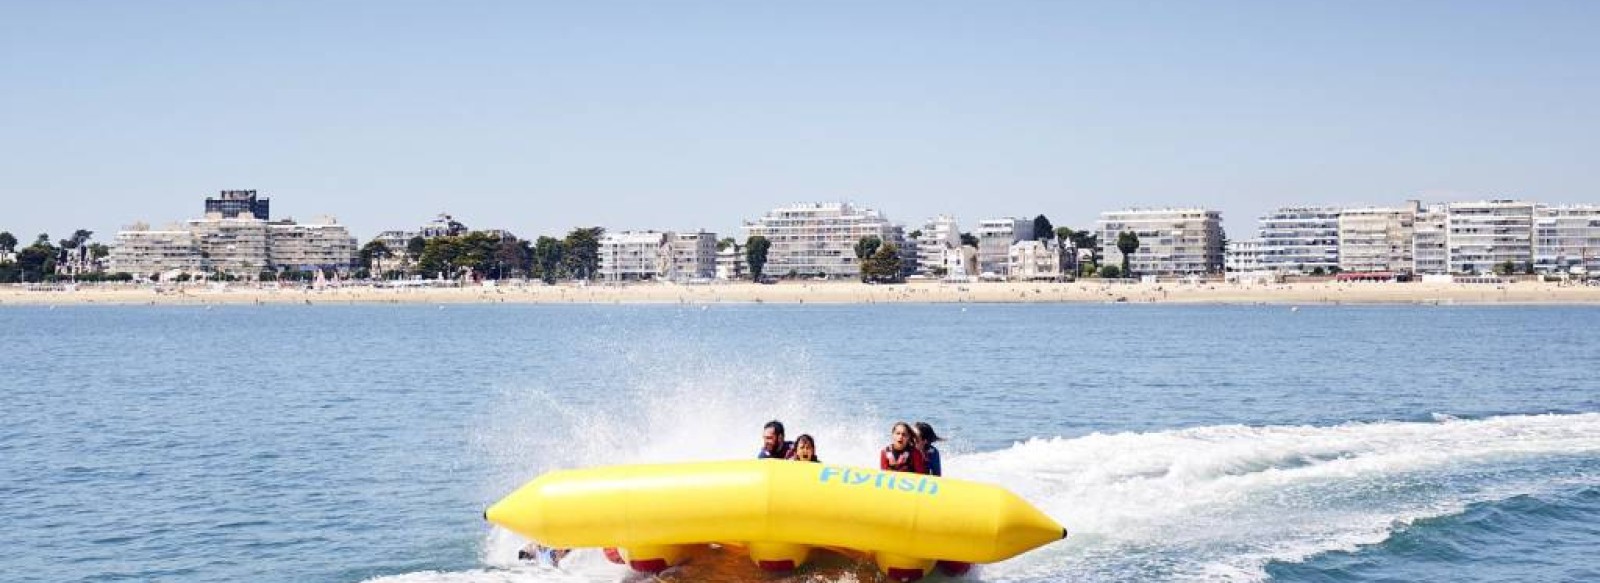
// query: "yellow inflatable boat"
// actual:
[[779, 511]]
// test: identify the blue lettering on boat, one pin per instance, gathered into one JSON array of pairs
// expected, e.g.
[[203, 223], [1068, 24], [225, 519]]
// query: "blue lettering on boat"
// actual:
[[880, 480]]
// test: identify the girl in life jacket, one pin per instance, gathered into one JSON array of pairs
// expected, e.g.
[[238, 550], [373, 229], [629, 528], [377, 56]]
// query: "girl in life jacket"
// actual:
[[902, 454], [805, 449], [925, 440]]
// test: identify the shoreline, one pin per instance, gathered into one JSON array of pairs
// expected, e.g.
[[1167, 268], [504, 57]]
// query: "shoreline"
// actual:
[[800, 293]]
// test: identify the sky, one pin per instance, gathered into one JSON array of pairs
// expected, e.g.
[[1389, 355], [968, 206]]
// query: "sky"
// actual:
[[539, 117]]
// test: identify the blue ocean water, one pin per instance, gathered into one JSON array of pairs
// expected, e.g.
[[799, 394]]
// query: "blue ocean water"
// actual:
[[355, 443]]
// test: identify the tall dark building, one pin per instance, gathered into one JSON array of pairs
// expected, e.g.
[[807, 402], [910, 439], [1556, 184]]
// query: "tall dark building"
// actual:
[[233, 203]]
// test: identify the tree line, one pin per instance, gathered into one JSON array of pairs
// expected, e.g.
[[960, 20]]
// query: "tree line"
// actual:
[[43, 261]]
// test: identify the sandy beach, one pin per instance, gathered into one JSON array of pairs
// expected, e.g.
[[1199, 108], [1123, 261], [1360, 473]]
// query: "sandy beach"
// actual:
[[1088, 291]]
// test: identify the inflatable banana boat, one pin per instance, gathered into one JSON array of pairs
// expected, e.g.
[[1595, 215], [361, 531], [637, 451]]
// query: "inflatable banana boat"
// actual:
[[778, 511]]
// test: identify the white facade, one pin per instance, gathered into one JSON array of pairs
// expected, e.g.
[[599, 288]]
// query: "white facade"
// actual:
[[688, 256], [960, 264], [995, 237], [1566, 239], [237, 246], [1378, 239], [316, 246], [939, 235], [1484, 235], [731, 262], [1171, 241], [820, 238], [1243, 256], [1040, 261], [630, 255], [149, 253], [1430, 250], [1300, 239]]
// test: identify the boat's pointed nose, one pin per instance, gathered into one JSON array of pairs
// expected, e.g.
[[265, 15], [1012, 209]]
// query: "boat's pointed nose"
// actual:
[[520, 512]]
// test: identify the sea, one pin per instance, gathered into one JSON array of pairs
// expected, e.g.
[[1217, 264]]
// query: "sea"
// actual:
[[361, 443]]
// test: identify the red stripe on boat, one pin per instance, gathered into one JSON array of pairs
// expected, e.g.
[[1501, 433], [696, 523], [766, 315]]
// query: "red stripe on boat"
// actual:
[[784, 565], [904, 575], [649, 565]]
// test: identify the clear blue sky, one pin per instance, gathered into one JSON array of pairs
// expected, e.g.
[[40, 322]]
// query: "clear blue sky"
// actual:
[[539, 117]]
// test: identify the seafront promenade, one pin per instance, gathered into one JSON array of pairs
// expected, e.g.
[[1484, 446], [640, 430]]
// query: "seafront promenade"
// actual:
[[1088, 291]]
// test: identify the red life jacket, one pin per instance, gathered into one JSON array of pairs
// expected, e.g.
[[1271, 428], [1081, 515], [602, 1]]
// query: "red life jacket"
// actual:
[[909, 460]]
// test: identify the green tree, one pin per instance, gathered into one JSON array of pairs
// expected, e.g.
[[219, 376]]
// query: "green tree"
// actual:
[[1507, 268], [510, 257], [1042, 229], [1318, 271], [1128, 244], [865, 247], [547, 258], [37, 262], [439, 257], [1065, 233], [415, 247], [8, 242], [883, 265], [373, 250], [967, 239], [755, 254], [582, 258], [724, 243], [1110, 272], [914, 235]]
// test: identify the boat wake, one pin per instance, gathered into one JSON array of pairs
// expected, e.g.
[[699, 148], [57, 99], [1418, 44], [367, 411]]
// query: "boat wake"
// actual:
[[1204, 503]]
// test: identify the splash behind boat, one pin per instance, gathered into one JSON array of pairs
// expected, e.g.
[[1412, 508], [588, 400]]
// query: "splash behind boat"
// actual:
[[778, 511]]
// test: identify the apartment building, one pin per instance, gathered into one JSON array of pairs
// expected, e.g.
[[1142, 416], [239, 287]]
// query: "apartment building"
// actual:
[[1566, 239], [820, 238], [235, 203], [320, 245], [937, 236], [731, 262], [995, 237], [1430, 249], [1300, 239], [1048, 260], [1243, 256], [1179, 241], [688, 256], [151, 253], [1375, 239], [1481, 236], [237, 246], [631, 256]]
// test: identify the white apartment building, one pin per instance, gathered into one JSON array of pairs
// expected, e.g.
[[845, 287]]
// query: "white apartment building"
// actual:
[[731, 262], [995, 237], [938, 235], [1483, 235], [688, 256], [1300, 239], [148, 253], [1566, 239], [1430, 250], [960, 264], [820, 238], [1041, 261], [1243, 256], [237, 246], [1171, 241], [1373, 239], [316, 246], [630, 255]]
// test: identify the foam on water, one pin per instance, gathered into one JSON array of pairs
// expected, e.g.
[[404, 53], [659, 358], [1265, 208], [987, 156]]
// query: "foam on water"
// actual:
[[1203, 503], [1218, 503]]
